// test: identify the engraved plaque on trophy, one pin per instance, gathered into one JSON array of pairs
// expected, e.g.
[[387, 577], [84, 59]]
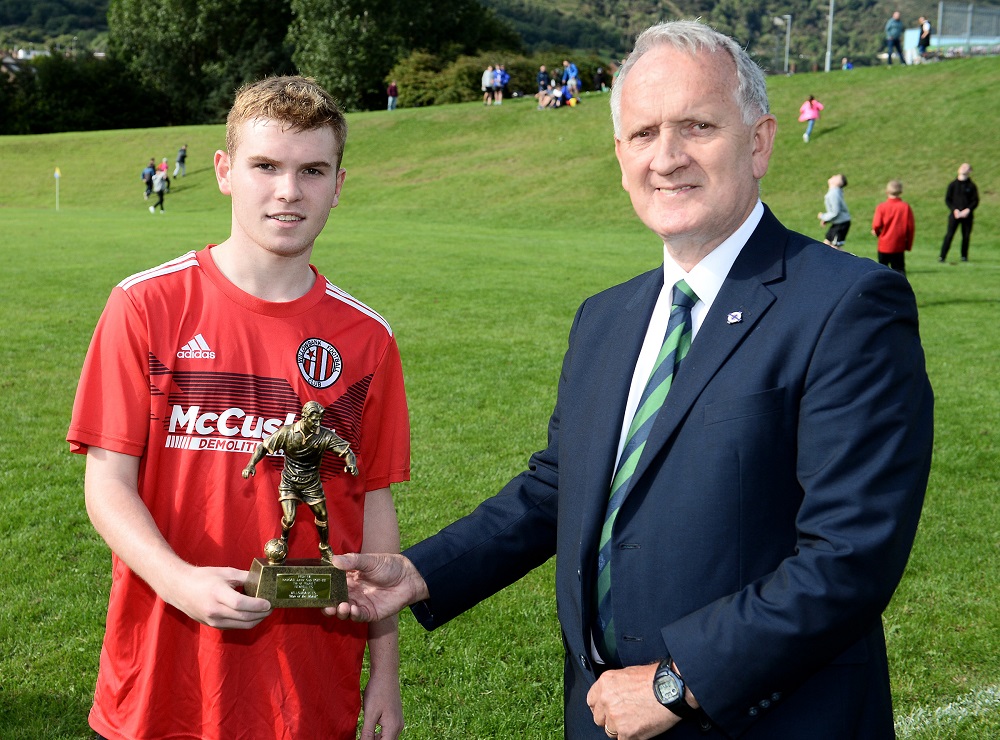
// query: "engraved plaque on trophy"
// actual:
[[308, 582], [297, 582]]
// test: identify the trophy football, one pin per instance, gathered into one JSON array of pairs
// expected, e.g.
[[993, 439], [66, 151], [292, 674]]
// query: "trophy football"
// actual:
[[308, 582]]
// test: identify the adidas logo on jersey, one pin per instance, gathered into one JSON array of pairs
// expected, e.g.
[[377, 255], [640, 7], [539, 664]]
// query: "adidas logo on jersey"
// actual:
[[196, 349]]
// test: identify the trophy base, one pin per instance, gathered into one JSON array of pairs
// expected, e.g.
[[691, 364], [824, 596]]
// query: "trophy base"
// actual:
[[310, 582]]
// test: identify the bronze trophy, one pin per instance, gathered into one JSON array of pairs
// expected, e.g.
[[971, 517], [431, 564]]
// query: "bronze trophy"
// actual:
[[309, 582]]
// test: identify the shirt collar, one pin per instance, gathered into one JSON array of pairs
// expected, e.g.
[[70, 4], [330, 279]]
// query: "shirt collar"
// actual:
[[706, 278]]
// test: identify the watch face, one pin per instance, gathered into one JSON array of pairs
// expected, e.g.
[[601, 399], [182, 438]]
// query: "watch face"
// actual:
[[667, 690]]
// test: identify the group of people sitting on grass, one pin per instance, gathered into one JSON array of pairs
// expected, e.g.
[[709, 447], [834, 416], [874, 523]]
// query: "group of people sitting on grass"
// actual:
[[558, 94]]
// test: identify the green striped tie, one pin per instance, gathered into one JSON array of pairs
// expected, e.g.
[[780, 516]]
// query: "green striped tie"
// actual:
[[675, 347]]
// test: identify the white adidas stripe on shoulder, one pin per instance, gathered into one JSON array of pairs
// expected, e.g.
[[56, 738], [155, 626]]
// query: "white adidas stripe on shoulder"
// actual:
[[178, 263], [334, 292]]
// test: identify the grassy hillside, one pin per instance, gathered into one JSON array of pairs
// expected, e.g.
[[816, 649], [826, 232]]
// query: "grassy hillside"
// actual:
[[476, 232], [509, 165]]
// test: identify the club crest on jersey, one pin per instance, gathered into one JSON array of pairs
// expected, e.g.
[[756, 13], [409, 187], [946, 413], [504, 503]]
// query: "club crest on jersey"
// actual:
[[319, 362]]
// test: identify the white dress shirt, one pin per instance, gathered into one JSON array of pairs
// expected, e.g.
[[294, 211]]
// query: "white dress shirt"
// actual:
[[705, 279]]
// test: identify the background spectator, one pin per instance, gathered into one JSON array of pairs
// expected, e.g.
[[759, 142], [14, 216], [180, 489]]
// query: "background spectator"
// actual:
[[925, 37], [836, 213], [487, 84], [894, 227], [180, 167], [809, 114], [147, 176], [894, 37], [962, 198]]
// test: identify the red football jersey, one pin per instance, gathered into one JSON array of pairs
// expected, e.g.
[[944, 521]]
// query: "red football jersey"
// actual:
[[189, 373]]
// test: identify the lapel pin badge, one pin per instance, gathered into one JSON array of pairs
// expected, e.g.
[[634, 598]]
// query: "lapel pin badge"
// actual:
[[734, 318]]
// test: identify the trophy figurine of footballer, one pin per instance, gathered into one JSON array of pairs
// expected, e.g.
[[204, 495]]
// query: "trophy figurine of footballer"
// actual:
[[310, 582]]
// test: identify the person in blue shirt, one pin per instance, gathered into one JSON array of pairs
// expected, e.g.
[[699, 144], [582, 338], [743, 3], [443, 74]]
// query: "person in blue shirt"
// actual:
[[147, 176], [498, 85], [543, 79], [504, 80], [571, 76], [567, 98]]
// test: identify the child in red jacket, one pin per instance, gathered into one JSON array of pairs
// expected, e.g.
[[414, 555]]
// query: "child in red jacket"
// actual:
[[893, 225]]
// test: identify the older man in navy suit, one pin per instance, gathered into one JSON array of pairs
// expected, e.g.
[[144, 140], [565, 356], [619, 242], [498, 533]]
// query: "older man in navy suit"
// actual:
[[769, 510]]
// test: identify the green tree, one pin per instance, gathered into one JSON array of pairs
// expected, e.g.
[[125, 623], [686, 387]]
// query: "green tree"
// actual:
[[57, 93], [196, 53], [350, 46], [346, 45]]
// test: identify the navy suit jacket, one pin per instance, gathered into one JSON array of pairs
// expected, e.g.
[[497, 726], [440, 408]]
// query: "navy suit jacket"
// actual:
[[774, 506]]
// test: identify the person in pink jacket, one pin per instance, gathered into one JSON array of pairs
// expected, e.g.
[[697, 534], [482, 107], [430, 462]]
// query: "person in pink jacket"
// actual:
[[809, 114]]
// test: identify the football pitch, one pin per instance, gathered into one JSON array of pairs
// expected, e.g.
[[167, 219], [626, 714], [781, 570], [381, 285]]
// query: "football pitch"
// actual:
[[476, 232]]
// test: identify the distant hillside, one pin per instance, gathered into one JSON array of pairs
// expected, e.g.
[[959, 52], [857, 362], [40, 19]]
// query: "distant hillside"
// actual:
[[55, 16], [606, 26], [610, 26], [52, 22]]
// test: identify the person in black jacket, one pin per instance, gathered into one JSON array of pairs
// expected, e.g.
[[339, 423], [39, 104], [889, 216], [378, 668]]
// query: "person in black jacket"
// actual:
[[924, 41], [962, 198]]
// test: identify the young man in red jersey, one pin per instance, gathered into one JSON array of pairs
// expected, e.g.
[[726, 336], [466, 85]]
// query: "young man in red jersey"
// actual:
[[192, 364]]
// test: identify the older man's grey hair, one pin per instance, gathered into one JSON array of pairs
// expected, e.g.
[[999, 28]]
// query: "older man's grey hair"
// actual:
[[692, 37]]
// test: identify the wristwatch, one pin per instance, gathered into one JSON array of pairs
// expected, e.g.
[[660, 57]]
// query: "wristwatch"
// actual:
[[668, 687]]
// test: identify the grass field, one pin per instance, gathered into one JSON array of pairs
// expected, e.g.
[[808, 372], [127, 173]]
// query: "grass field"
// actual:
[[476, 232]]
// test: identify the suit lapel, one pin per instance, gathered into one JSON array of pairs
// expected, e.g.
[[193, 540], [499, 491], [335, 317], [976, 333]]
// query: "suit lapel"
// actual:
[[744, 292]]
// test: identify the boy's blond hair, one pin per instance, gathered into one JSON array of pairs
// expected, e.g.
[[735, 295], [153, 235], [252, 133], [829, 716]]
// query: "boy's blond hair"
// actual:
[[894, 188], [297, 102]]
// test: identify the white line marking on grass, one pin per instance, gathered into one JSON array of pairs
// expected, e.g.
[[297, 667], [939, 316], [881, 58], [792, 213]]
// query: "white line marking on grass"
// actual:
[[974, 704]]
